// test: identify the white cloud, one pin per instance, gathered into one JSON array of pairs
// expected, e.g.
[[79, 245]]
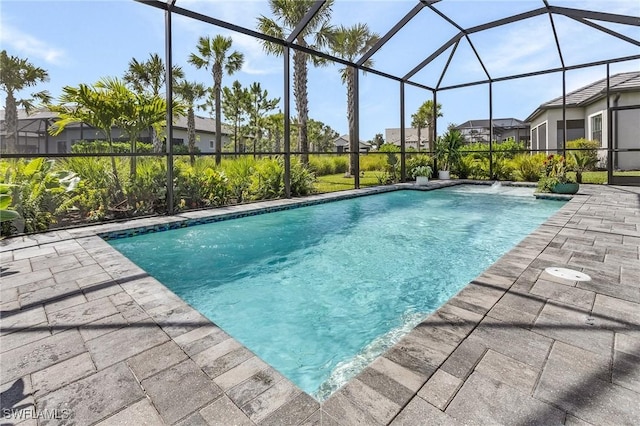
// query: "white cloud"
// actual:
[[24, 44]]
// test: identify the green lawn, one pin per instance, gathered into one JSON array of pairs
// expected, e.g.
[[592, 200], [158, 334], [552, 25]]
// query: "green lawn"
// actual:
[[337, 182], [601, 176]]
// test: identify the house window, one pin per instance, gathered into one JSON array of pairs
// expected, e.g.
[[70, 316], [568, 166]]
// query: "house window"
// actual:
[[62, 147], [596, 128], [212, 144], [539, 137], [542, 136], [575, 130]]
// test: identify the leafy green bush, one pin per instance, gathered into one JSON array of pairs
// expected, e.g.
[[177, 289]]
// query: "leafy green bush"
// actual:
[[7, 211], [528, 167], [267, 181], [372, 162], [102, 147], [147, 191], [582, 156], [200, 185], [468, 167], [341, 163], [322, 165], [389, 147], [239, 173], [37, 191], [415, 161], [509, 149], [502, 168], [302, 179]]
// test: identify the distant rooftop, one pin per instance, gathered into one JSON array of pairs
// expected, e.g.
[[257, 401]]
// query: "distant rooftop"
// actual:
[[627, 81], [589, 93], [33, 122], [505, 123]]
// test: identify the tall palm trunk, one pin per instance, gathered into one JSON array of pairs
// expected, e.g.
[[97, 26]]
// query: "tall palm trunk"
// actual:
[[432, 137], [134, 160], [155, 140], [418, 146], [302, 102], [11, 120], [191, 132], [277, 137], [217, 88], [353, 138], [114, 170]]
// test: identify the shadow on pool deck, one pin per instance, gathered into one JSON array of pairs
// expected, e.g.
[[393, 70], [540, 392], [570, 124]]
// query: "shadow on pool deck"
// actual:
[[85, 330]]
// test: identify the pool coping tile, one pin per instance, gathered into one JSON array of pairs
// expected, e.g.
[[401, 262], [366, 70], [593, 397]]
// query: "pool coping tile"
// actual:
[[468, 338]]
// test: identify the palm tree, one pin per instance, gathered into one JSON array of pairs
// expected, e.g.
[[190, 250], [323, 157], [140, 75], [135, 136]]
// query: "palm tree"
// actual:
[[288, 14], [15, 75], [94, 106], [235, 105], [190, 92], [419, 121], [136, 111], [150, 75], [275, 126], [215, 56], [582, 162], [351, 43], [424, 117]]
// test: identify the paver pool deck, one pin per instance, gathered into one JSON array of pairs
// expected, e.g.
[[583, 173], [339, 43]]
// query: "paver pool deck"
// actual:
[[87, 337]]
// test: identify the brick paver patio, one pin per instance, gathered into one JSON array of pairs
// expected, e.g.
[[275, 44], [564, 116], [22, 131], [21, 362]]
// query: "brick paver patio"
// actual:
[[89, 338]]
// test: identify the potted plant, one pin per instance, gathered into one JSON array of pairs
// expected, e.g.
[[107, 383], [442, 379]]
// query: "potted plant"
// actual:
[[555, 178], [421, 174], [448, 152]]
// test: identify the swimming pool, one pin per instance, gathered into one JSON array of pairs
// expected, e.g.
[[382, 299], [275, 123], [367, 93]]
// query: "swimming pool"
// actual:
[[318, 292]]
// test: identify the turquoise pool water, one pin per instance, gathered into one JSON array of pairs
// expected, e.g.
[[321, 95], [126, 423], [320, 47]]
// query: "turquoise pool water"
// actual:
[[318, 292]]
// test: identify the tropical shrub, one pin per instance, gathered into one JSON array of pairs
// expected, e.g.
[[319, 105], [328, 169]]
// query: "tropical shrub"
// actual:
[[322, 165], [200, 185], [448, 149], [419, 160], [502, 168], [581, 162], [102, 147], [98, 191], [421, 171], [372, 162], [302, 179], [267, 181], [239, 173], [528, 167], [587, 147], [582, 156], [7, 211], [509, 149], [468, 167], [147, 190], [37, 191], [341, 164]]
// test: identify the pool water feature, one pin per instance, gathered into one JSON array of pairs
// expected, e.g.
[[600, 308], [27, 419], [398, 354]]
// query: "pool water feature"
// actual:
[[319, 292]]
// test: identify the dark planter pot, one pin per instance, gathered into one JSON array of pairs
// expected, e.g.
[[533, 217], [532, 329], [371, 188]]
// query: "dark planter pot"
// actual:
[[566, 188]]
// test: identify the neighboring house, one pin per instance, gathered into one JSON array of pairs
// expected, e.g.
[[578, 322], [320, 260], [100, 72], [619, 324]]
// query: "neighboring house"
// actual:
[[410, 137], [586, 114], [341, 144], [503, 129], [33, 137]]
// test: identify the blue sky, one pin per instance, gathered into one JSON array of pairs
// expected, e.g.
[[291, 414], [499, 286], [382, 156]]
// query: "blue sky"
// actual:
[[80, 41]]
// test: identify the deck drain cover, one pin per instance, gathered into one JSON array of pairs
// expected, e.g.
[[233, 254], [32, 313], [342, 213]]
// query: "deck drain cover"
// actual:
[[568, 274]]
